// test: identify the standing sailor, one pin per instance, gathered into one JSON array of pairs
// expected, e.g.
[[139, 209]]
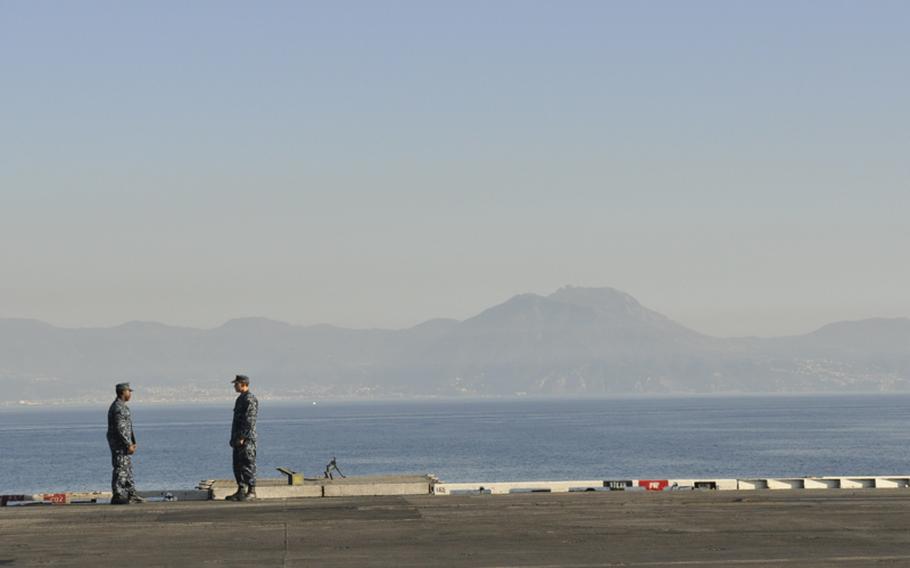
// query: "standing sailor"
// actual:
[[243, 440], [122, 441]]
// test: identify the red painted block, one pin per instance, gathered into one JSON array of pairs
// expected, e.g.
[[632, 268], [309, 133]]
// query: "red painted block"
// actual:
[[653, 484], [56, 498]]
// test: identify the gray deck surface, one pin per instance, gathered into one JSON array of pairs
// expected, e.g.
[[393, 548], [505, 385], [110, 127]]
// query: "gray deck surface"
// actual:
[[751, 528]]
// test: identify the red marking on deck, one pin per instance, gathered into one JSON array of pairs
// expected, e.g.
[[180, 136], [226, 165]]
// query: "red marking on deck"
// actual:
[[653, 484], [56, 498]]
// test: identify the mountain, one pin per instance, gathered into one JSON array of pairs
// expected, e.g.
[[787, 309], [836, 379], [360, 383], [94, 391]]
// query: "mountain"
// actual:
[[574, 341]]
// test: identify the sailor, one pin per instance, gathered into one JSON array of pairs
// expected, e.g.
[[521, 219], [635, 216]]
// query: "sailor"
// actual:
[[122, 441], [243, 440]]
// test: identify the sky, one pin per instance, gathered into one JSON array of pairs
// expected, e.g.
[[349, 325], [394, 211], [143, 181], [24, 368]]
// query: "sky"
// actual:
[[740, 167]]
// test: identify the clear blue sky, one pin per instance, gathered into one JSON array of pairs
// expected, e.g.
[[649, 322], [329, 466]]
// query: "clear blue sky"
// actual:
[[739, 166]]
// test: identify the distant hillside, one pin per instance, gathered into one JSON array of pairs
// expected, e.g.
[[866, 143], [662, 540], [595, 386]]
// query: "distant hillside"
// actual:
[[574, 341]]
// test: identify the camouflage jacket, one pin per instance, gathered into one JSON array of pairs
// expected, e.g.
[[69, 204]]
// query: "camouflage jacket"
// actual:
[[244, 426], [120, 426]]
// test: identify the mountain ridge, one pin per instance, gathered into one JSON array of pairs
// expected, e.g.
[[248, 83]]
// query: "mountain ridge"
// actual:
[[574, 341]]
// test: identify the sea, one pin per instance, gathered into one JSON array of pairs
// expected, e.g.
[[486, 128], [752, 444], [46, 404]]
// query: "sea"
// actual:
[[459, 440]]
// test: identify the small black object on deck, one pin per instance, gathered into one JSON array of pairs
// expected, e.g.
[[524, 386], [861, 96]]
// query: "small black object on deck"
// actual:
[[332, 465]]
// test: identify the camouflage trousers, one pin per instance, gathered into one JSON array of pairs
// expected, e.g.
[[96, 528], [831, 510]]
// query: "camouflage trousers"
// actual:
[[122, 479], [245, 464]]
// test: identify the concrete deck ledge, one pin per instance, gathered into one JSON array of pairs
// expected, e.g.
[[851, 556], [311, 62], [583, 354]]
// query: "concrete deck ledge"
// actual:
[[379, 485]]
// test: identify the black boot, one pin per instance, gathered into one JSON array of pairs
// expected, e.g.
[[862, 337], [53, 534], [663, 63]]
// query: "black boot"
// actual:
[[239, 495], [135, 498], [120, 500], [248, 495]]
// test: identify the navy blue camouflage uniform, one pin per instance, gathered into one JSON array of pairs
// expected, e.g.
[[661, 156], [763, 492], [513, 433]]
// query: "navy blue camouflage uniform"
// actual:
[[244, 428], [120, 437]]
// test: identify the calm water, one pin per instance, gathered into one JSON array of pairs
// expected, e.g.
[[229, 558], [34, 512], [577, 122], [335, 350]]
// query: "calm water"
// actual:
[[44, 449]]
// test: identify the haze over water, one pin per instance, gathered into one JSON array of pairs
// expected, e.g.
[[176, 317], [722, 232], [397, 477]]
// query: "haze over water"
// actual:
[[739, 166], [479, 440]]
